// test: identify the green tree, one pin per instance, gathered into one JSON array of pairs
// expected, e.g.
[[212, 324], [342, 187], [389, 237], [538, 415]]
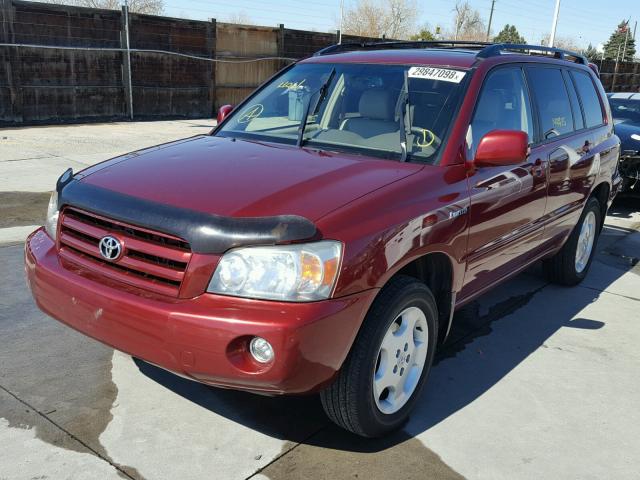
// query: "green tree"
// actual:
[[509, 34], [423, 34], [592, 54], [616, 44]]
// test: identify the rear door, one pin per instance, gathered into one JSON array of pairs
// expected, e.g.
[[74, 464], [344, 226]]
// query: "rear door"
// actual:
[[506, 202], [569, 126]]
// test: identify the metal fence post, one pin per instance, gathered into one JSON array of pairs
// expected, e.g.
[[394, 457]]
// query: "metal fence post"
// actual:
[[211, 48], [126, 61], [10, 59], [281, 46]]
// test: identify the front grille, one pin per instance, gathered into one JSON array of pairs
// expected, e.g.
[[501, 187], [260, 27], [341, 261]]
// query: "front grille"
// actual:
[[150, 260]]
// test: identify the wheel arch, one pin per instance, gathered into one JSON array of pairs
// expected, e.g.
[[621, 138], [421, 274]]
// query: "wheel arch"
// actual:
[[436, 269], [601, 193]]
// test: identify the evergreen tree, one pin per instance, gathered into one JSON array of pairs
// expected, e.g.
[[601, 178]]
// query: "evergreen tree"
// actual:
[[509, 34], [423, 34], [615, 45], [592, 54]]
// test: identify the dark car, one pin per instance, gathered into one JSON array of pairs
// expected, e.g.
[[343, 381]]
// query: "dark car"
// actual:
[[320, 238], [625, 108]]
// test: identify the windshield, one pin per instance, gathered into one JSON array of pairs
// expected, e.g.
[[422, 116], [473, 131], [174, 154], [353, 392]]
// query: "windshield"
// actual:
[[390, 111], [627, 110]]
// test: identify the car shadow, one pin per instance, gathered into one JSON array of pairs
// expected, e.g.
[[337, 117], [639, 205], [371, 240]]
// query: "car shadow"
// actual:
[[625, 205], [489, 339]]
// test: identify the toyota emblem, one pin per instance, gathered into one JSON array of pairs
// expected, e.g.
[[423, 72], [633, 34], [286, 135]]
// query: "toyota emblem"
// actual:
[[110, 248]]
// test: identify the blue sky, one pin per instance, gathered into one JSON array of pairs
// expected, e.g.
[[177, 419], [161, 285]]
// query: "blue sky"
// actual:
[[584, 20]]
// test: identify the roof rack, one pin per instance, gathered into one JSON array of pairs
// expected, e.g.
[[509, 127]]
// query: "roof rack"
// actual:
[[496, 49], [486, 49], [392, 44]]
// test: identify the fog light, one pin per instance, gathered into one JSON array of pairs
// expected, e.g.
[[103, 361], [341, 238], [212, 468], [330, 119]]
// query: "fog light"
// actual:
[[261, 350]]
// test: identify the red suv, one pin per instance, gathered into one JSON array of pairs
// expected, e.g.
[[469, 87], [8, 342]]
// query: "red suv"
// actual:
[[322, 236]]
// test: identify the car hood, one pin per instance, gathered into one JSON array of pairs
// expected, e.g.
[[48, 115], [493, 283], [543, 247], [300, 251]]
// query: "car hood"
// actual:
[[240, 178], [629, 134]]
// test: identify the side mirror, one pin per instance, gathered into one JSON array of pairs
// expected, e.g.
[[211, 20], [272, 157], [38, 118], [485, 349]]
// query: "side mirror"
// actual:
[[502, 148], [223, 112]]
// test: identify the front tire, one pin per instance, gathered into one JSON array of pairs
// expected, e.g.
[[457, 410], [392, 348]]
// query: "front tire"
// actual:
[[382, 377], [570, 265]]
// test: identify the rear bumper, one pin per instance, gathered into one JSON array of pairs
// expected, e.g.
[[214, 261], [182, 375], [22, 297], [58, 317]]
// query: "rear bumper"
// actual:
[[203, 338]]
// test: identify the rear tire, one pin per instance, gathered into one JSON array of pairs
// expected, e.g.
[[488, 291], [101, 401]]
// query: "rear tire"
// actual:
[[571, 264], [395, 347]]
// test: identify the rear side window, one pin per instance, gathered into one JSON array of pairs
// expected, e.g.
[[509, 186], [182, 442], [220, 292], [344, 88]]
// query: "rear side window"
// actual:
[[590, 100], [503, 105], [552, 99]]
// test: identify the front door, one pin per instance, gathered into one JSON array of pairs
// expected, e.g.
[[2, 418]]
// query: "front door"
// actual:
[[507, 203]]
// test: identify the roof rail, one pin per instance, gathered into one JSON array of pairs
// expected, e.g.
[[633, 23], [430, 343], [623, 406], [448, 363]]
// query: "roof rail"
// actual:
[[391, 44], [496, 49], [487, 49]]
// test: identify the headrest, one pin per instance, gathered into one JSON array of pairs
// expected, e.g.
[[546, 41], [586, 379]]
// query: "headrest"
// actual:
[[375, 104], [490, 107]]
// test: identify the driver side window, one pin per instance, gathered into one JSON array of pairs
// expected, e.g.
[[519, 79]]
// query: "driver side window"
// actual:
[[503, 105]]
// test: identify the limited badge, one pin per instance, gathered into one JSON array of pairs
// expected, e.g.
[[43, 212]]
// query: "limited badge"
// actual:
[[430, 73]]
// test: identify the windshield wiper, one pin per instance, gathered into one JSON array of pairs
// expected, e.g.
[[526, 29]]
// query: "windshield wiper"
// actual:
[[406, 138], [322, 93]]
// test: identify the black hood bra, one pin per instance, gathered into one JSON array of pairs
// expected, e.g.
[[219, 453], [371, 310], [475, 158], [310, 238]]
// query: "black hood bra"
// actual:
[[206, 233]]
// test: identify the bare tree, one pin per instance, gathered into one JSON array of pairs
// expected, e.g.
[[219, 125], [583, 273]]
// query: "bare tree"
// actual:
[[150, 7], [467, 22], [566, 43], [378, 18], [240, 18]]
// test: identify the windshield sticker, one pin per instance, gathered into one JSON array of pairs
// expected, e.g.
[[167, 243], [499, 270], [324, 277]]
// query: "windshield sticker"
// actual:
[[292, 85], [250, 113], [427, 139], [431, 73], [559, 122]]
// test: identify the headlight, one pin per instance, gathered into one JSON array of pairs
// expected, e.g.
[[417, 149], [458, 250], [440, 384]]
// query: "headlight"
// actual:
[[295, 273], [51, 223]]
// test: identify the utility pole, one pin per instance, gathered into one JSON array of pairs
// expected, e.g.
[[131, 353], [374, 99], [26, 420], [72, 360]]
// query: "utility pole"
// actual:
[[554, 25], [128, 89], [493, 4], [341, 20]]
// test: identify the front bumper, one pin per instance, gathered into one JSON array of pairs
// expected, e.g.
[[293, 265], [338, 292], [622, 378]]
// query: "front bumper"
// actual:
[[629, 168], [203, 338]]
